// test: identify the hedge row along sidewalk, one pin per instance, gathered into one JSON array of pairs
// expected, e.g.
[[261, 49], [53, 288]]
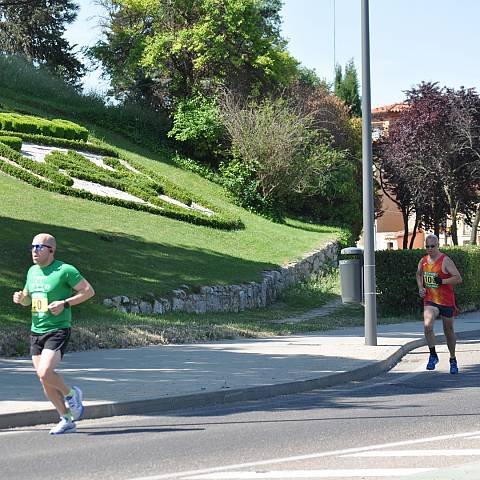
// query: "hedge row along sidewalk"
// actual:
[[397, 288], [127, 176]]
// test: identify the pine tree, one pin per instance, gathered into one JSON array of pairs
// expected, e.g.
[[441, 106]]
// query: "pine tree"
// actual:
[[346, 87], [34, 29]]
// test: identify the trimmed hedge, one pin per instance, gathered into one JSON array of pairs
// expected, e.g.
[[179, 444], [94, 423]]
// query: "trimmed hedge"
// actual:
[[40, 126], [63, 143], [136, 184], [397, 287], [12, 142]]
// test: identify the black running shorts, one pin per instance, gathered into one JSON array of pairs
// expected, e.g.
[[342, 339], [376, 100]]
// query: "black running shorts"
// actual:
[[56, 341], [445, 311]]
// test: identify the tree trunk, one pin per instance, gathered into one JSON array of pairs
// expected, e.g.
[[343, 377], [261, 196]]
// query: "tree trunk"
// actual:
[[453, 214], [476, 221], [405, 229], [414, 233]]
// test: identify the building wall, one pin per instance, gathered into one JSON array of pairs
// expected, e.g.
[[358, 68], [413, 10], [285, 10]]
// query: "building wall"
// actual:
[[391, 220]]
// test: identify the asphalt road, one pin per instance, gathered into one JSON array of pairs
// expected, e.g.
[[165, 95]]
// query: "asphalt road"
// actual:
[[408, 421]]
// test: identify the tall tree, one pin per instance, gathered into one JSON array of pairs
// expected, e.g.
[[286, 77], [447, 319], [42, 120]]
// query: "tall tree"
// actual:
[[178, 48], [347, 88], [465, 122], [34, 29], [428, 157]]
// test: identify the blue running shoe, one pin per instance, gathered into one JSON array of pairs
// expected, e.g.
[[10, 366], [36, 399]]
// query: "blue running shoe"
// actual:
[[432, 361], [75, 403], [64, 426], [453, 366]]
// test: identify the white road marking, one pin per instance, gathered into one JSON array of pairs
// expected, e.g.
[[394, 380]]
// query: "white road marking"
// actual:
[[360, 472], [12, 432], [465, 452], [307, 456]]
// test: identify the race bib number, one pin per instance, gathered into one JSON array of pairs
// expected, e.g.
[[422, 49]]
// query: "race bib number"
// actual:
[[429, 279], [39, 304]]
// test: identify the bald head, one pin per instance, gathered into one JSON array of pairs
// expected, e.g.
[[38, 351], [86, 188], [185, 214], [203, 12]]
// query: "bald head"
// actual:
[[45, 239], [432, 239]]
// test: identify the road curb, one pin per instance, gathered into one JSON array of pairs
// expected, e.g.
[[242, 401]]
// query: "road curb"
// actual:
[[226, 396]]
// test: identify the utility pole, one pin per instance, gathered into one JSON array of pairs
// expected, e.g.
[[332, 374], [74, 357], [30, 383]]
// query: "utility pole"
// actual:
[[367, 182]]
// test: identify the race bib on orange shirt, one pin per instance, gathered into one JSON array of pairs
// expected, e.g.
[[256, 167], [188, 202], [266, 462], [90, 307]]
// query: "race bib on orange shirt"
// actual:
[[429, 280]]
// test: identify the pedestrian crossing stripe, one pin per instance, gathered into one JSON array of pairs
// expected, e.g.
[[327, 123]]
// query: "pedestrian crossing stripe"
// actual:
[[287, 474]]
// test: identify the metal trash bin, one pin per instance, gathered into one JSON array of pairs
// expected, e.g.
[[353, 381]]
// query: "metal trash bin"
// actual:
[[351, 275]]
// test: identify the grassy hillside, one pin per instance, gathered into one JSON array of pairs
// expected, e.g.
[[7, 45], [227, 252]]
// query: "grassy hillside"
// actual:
[[129, 252]]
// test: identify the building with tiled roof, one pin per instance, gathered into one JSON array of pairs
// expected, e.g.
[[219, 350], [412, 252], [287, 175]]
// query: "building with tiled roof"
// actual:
[[382, 116], [389, 231]]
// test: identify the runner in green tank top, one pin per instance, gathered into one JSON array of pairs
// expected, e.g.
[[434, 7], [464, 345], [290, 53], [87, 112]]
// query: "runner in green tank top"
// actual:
[[52, 287]]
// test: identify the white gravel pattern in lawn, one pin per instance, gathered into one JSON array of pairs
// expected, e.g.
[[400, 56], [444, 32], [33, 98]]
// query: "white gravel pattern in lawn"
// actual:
[[104, 191], [38, 153]]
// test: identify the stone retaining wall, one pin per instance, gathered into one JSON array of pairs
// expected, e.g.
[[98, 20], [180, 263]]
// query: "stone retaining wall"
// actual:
[[233, 298]]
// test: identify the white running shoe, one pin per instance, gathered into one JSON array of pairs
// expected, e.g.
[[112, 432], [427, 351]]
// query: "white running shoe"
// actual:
[[63, 426], [75, 404]]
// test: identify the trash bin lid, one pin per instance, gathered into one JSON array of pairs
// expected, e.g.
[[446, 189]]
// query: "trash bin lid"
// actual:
[[351, 251]]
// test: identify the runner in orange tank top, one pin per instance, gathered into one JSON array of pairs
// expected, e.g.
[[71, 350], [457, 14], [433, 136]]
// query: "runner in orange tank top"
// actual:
[[436, 276]]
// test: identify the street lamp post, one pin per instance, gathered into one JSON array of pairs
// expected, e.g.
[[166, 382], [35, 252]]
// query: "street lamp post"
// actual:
[[367, 182]]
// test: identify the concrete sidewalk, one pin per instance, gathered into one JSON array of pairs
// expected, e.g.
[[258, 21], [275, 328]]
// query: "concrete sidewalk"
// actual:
[[162, 378]]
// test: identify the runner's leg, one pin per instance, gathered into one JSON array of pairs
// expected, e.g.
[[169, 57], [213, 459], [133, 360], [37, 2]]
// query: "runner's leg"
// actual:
[[53, 384], [449, 335], [430, 313]]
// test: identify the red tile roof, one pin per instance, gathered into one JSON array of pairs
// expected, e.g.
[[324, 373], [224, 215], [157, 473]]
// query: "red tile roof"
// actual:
[[393, 108]]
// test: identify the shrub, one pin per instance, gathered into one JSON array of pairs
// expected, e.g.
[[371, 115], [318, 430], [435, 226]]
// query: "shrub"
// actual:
[[273, 141], [12, 142], [64, 143], [241, 181], [197, 123], [40, 126], [397, 287]]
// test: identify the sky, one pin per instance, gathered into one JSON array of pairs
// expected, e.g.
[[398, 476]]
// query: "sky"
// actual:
[[410, 41]]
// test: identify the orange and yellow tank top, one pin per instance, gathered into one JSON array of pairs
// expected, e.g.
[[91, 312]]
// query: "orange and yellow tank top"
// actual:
[[439, 294]]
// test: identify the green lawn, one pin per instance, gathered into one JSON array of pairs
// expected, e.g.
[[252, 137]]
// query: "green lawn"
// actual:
[[133, 253], [128, 252]]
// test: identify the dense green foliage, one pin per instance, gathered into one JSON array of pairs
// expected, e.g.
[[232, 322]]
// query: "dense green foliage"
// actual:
[[39, 126], [12, 142], [165, 50], [197, 124], [347, 88], [397, 287], [289, 156], [35, 30]]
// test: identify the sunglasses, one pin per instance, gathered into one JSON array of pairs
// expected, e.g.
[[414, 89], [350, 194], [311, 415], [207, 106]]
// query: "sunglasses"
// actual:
[[430, 246], [39, 247]]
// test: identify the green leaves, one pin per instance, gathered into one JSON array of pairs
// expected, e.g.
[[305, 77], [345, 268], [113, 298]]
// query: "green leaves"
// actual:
[[58, 128], [182, 47]]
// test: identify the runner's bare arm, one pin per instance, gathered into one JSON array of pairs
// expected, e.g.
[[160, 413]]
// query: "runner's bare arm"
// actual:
[[450, 268], [22, 297], [419, 277], [83, 291]]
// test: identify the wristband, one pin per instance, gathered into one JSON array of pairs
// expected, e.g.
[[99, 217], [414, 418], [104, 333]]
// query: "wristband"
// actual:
[[66, 304]]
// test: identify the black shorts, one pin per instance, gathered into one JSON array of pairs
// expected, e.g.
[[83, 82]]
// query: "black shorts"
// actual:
[[445, 311], [56, 341]]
